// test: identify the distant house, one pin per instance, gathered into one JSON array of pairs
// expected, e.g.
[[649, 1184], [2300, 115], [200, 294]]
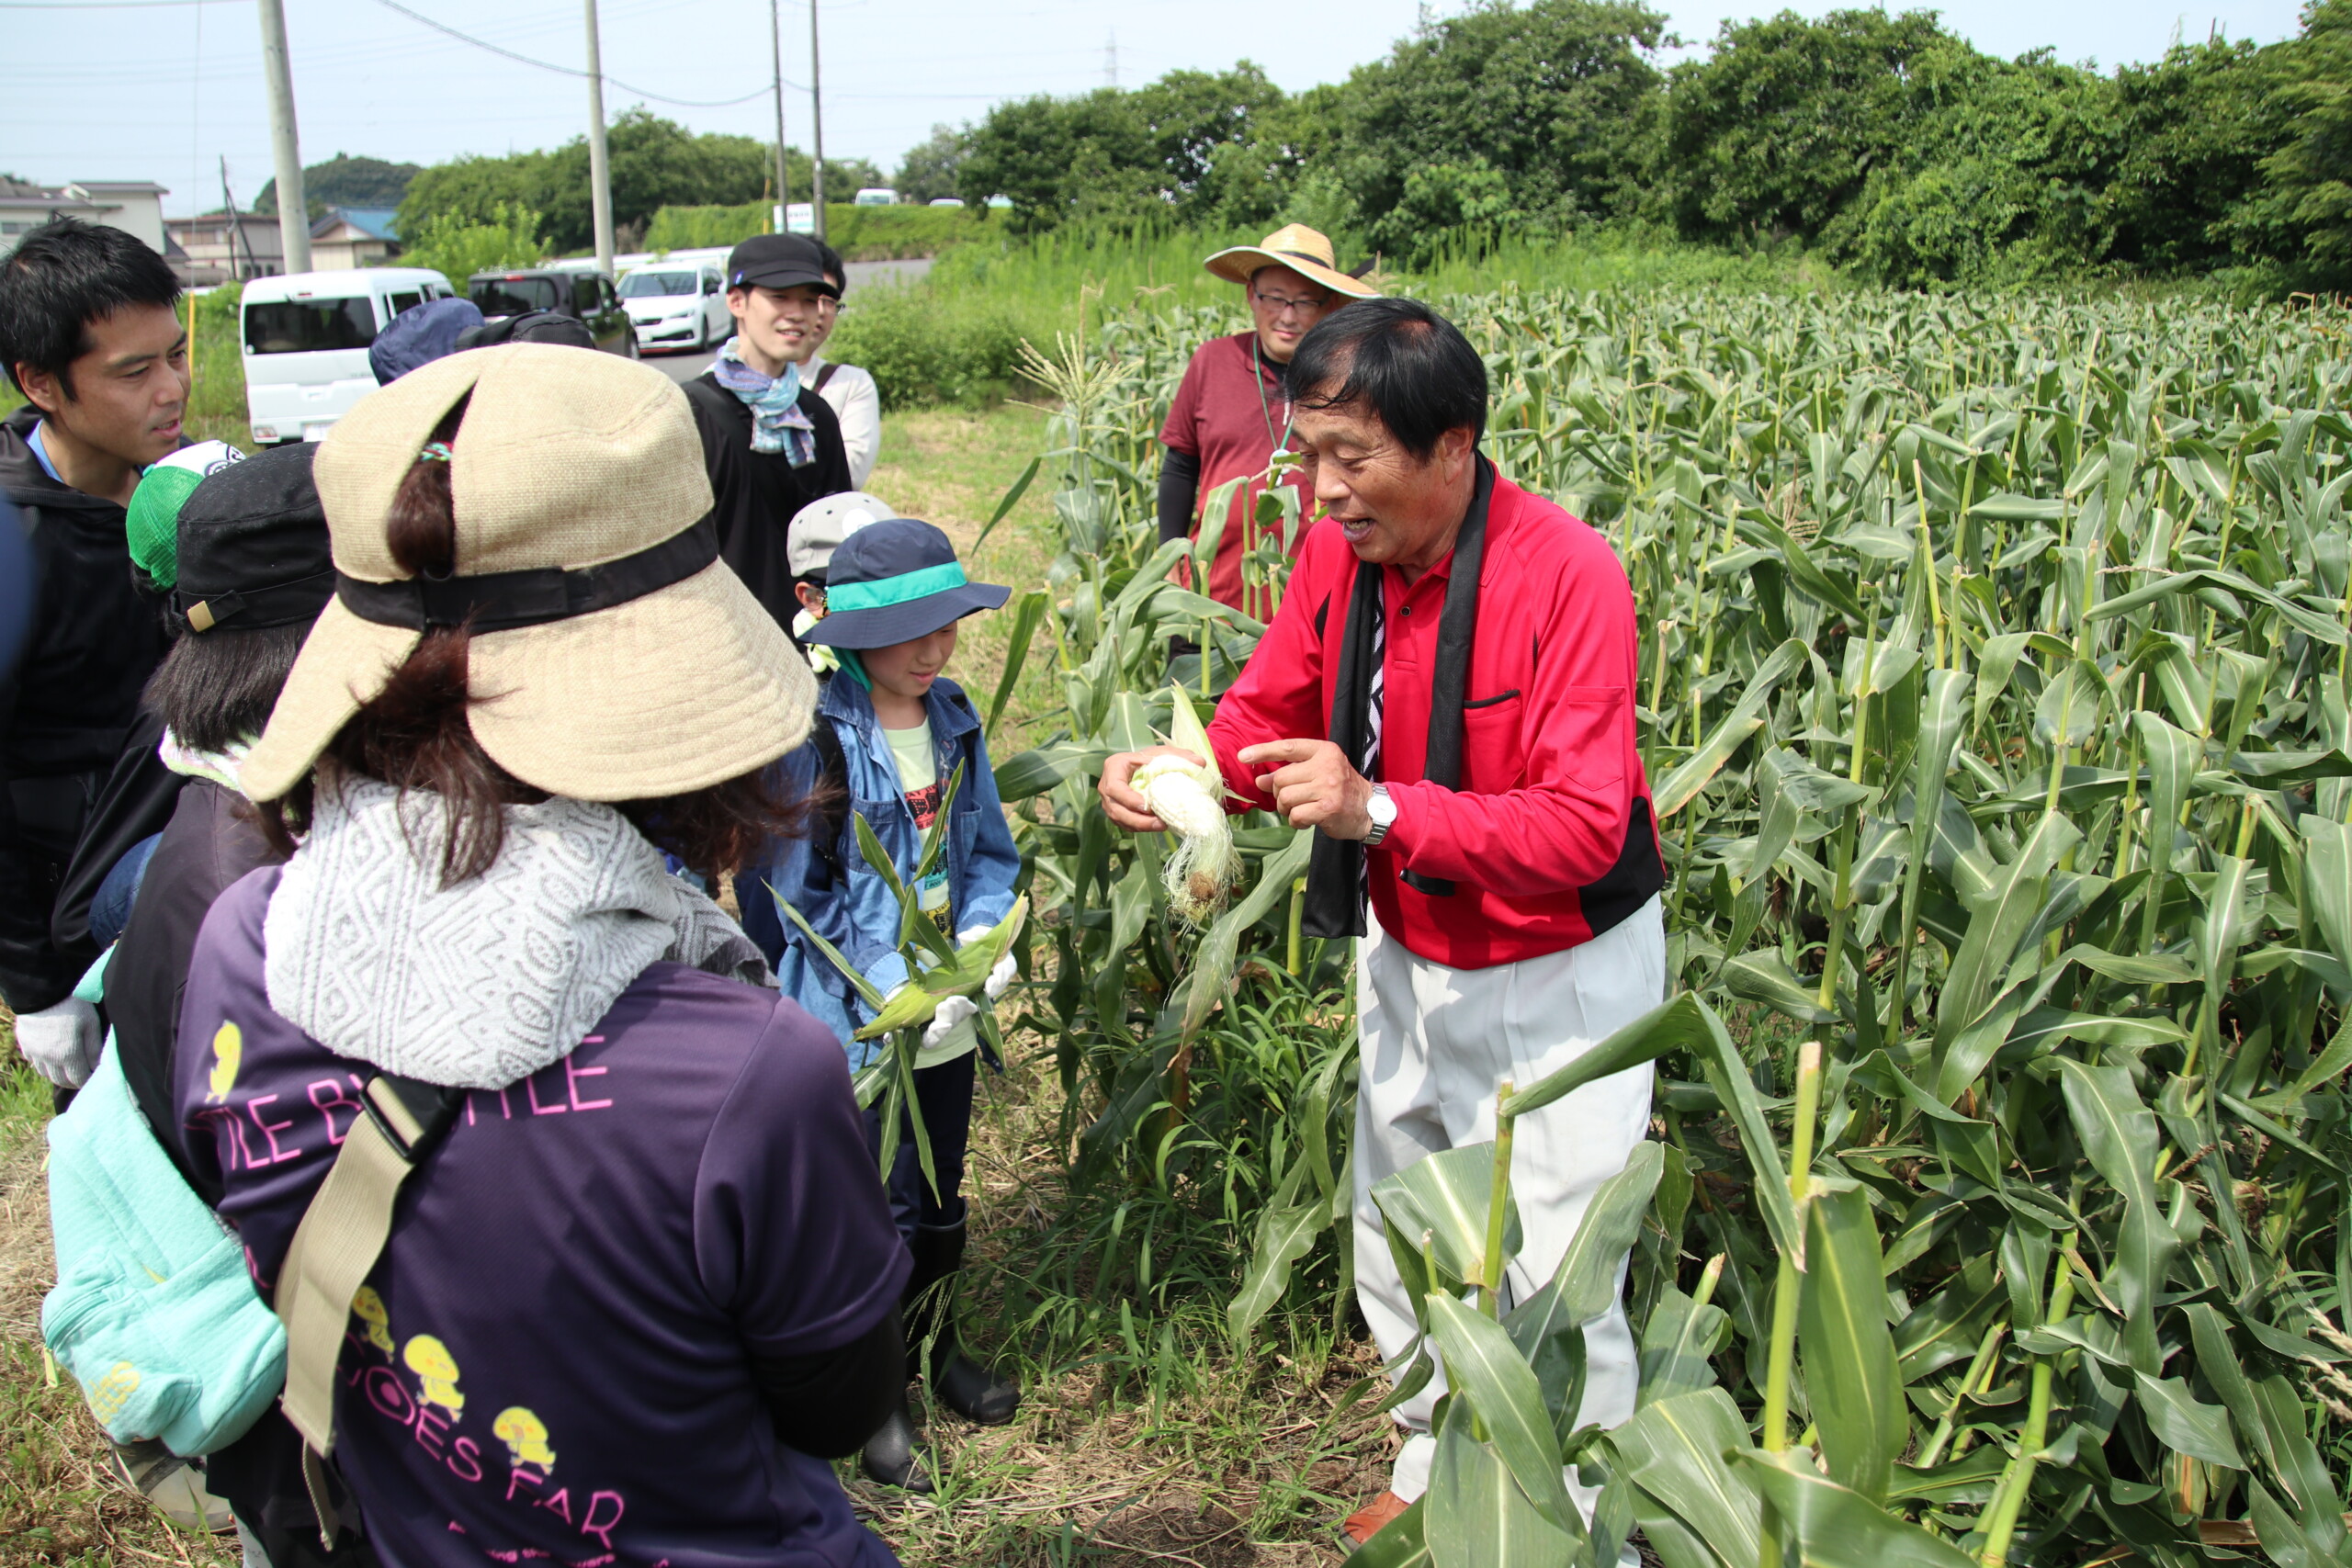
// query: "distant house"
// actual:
[[350, 237], [135, 207], [220, 247]]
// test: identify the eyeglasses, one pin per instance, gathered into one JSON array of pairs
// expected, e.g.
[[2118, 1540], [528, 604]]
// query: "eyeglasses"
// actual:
[[1281, 304]]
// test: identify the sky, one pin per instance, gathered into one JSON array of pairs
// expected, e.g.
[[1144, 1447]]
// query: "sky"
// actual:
[[165, 89]]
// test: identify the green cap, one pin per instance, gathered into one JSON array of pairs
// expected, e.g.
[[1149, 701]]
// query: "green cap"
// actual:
[[154, 521]]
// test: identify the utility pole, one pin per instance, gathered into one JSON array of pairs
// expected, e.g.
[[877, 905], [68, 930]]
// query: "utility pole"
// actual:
[[600, 163], [293, 207], [1111, 60], [235, 230], [783, 186], [817, 127]]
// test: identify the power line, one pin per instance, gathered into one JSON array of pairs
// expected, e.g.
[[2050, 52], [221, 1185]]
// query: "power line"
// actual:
[[568, 69]]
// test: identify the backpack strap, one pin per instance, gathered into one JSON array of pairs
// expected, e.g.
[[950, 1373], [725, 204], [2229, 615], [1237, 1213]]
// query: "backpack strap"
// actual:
[[337, 1245], [824, 375], [832, 778]]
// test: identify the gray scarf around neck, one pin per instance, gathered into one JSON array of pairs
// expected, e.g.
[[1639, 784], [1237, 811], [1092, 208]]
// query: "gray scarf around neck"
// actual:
[[480, 985]]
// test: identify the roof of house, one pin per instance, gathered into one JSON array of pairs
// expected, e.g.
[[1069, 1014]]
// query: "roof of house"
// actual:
[[75, 196], [374, 222]]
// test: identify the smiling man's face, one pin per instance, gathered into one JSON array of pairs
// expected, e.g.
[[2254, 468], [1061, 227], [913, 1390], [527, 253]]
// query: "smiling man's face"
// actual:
[[1396, 509], [129, 386]]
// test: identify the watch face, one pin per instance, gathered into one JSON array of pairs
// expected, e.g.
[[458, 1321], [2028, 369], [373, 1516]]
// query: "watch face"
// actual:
[[1382, 808]]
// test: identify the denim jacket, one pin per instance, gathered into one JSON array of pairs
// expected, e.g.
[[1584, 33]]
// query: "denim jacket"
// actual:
[[860, 917]]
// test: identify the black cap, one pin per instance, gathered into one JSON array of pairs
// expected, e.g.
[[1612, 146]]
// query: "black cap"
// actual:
[[780, 261], [252, 546], [894, 580], [531, 326]]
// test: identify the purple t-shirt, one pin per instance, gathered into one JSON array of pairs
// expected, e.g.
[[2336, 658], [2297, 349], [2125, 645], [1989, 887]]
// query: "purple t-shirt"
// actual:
[[550, 1362]]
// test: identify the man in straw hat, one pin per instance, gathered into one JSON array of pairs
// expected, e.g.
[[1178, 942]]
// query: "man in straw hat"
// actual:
[[1231, 416], [647, 1279]]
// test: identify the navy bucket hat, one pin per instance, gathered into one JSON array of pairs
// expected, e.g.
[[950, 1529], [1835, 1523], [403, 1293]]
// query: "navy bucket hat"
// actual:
[[894, 580]]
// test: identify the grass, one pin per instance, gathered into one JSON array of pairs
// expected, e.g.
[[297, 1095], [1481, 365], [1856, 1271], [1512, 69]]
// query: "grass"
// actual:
[[1143, 1438]]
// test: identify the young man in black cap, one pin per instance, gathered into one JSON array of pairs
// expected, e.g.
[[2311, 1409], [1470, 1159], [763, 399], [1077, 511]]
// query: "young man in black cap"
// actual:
[[770, 444], [90, 335]]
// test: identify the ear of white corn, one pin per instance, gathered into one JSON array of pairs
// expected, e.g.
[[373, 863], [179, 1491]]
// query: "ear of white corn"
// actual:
[[1188, 798]]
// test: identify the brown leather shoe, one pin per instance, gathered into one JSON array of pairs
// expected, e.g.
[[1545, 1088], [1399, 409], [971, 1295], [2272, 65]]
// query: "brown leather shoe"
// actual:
[[1366, 1521]]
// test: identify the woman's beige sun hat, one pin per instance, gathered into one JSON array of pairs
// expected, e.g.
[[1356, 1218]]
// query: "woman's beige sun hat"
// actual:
[[614, 655], [1297, 247]]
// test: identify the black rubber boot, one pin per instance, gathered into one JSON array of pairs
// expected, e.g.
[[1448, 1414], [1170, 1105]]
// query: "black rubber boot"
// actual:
[[895, 1456], [933, 1353]]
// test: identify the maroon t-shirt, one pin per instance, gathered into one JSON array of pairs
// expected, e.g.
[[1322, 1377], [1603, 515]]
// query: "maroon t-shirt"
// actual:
[[551, 1361], [1229, 411]]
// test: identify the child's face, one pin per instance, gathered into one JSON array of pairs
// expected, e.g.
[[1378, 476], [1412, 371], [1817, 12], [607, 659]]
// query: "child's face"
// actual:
[[907, 669]]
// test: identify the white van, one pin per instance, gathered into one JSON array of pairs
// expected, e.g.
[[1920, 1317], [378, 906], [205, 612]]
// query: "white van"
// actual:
[[306, 342]]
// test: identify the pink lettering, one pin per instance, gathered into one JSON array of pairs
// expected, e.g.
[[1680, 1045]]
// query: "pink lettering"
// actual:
[[572, 1076], [561, 1504], [429, 1429], [271, 1129], [466, 1449], [531, 1092], [385, 1392], [517, 1475], [335, 1100], [252, 1267], [603, 1532]]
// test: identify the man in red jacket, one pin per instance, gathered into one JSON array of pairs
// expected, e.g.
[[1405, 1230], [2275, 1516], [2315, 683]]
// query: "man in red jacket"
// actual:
[[1447, 692]]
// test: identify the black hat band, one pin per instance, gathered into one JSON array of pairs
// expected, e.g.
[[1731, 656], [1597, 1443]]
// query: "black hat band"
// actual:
[[506, 601], [296, 602]]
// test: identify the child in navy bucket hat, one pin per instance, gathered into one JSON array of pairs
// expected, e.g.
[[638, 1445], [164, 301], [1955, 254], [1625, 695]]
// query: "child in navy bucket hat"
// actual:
[[891, 731]]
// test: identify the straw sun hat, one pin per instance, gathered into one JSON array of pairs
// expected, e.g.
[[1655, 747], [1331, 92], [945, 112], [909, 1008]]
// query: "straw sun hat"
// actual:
[[613, 657], [1297, 247]]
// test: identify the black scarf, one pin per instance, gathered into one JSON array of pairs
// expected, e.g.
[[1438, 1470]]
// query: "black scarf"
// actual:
[[1335, 873]]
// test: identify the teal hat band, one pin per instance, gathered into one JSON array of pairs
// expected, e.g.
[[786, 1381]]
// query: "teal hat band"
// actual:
[[884, 592]]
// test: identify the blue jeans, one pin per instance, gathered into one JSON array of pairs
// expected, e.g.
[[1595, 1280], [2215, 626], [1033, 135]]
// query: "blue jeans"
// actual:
[[943, 1093], [110, 910]]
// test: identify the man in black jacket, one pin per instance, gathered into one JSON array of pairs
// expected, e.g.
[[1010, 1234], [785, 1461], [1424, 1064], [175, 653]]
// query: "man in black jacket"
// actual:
[[771, 445], [90, 335]]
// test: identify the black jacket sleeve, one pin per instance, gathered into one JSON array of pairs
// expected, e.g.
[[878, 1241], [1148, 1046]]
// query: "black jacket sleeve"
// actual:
[[827, 1404], [135, 803], [1180, 489], [831, 474]]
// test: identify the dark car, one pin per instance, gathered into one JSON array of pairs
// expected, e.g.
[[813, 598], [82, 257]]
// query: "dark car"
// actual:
[[588, 297]]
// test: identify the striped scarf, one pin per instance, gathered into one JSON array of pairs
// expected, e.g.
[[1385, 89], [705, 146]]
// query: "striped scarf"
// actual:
[[778, 423]]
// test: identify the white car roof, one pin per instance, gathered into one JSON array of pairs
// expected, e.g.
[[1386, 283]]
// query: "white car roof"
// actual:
[[352, 283]]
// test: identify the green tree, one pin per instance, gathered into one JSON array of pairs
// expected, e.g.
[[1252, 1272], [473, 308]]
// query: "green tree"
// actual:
[[1114, 155], [2189, 138], [1776, 132], [2299, 219], [345, 181], [457, 247], [1538, 115], [933, 168], [656, 163]]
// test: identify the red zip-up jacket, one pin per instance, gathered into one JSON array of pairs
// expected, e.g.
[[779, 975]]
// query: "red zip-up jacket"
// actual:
[[1549, 842]]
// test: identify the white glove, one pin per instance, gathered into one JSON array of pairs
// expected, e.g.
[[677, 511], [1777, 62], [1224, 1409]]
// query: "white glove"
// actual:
[[1006, 967], [953, 1010], [61, 1042]]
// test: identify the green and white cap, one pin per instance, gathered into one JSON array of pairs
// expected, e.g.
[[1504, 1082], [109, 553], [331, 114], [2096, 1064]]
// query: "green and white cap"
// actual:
[[154, 520]]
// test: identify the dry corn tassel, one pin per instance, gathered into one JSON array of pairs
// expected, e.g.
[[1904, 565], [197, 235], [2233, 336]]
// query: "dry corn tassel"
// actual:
[[1190, 797]]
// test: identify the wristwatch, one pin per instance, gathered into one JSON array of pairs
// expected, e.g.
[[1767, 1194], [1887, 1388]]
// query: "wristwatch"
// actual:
[[1382, 809]]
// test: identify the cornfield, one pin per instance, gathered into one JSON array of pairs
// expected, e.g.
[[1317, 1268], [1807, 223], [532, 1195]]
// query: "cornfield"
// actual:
[[1994, 704]]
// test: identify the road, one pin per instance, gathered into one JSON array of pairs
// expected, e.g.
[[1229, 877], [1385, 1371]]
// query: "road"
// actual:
[[683, 367]]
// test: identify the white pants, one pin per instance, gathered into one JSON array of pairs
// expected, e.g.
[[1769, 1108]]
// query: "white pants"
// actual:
[[1436, 1043]]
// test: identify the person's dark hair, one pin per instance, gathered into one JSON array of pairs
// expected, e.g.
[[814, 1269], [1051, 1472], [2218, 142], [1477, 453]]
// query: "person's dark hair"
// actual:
[[831, 261], [1399, 360], [414, 736], [216, 688], [62, 276]]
